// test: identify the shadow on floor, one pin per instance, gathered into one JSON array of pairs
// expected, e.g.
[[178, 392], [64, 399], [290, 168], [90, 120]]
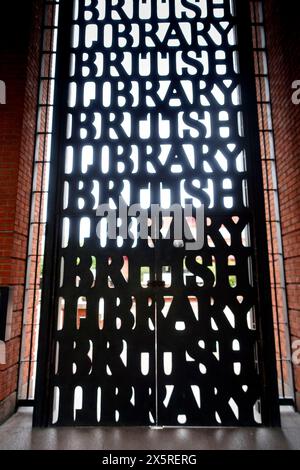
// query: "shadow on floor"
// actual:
[[17, 434]]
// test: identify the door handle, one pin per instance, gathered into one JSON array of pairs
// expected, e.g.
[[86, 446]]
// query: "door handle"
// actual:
[[156, 283]]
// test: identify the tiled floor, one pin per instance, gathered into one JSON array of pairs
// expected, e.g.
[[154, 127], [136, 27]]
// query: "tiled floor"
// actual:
[[17, 434]]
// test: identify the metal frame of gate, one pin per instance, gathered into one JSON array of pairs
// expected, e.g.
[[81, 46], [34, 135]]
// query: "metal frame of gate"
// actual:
[[266, 385]]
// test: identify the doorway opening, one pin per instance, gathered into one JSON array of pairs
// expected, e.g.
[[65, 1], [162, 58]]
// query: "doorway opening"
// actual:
[[150, 103]]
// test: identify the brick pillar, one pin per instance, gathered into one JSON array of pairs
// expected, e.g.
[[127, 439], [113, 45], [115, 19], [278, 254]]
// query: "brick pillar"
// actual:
[[19, 69], [283, 38]]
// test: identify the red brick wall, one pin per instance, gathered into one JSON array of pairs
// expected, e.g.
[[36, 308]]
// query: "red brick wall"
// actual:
[[19, 49], [283, 37]]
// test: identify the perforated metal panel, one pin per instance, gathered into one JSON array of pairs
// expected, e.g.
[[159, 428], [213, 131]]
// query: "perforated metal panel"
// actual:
[[153, 103]]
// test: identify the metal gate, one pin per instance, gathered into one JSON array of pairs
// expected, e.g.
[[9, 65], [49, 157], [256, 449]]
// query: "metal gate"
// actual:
[[155, 102]]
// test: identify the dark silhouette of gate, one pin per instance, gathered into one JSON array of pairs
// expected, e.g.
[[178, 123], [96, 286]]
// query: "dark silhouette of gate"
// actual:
[[155, 102]]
